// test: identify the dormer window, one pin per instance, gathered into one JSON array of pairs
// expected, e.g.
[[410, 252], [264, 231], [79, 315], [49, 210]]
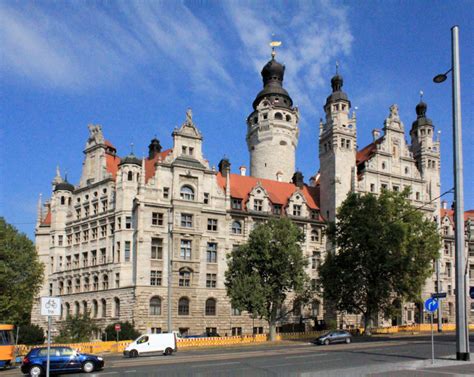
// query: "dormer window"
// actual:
[[296, 210], [258, 205], [276, 209], [236, 203], [187, 193]]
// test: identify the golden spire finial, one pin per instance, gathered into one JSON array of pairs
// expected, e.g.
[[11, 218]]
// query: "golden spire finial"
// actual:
[[274, 44], [337, 67], [421, 95]]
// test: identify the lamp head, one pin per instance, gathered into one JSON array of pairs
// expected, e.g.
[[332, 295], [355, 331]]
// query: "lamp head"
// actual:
[[440, 78]]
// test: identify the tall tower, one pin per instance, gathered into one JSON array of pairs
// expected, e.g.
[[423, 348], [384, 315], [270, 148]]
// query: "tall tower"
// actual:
[[272, 127], [426, 152], [337, 150]]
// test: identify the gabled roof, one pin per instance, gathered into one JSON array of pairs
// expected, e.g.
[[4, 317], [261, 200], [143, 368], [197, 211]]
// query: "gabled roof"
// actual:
[[469, 214], [150, 163], [278, 192]]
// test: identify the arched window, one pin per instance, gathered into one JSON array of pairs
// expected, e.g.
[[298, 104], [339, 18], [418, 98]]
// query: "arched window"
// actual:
[[288, 118], [116, 307], [77, 309], [185, 277], [187, 193], [130, 176], [95, 308], [63, 200], [155, 306], [278, 116], [86, 284], [210, 306], [104, 308], [105, 282], [183, 306], [236, 227], [84, 306], [68, 309], [96, 283]]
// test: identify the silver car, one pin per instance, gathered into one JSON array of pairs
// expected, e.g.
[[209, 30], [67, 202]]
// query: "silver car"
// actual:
[[337, 336]]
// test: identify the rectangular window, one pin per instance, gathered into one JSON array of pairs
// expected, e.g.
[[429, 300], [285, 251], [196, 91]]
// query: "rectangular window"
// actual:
[[103, 231], [211, 252], [372, 187], [236, 203], [117, 249], [86, 211], [119, 223], [184, 279], [155, 277], [276, 209], [156, 248], [77, 237], [211, 280], [157, 218], [69, 239], [76, 261], [314, 234], [85, 259], [156, 330], [296, 210], [206, 198], [112, 228], [128, 222], [166, 192], [211, 330], [103, 256], [185, 249], [127, 251], [186, 220], [448, 269], [236, 331], [191, 151], [258, 205], [94, 233], [257, 330], [94, 257], [60, 240], [95, 208], [315, 260], [104, 205], [212, 225], [117, 280]]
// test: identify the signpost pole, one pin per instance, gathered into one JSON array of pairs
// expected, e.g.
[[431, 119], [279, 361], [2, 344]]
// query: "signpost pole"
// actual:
[[49, 345], [432, 339]]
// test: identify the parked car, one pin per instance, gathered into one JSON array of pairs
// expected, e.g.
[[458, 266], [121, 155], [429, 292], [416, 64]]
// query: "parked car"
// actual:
[[204, 335], [152, 343], [61, 359], [337, 336]]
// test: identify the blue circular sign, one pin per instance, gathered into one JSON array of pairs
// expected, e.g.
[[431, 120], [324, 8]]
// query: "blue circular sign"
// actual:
[[431, 304]]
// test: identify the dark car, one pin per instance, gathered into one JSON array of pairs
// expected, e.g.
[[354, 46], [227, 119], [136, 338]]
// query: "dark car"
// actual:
[[337, 336], [61, 359]]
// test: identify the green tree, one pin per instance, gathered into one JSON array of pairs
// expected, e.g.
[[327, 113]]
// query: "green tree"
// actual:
[[21, 275], [262, 272], [31, 334], [384, 254], [127, 331], [77, 328]]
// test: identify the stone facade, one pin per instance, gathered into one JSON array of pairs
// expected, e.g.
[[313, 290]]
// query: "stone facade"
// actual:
[[112, 244]]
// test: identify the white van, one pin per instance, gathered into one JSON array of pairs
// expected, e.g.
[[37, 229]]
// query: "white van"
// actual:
[[152, 343]]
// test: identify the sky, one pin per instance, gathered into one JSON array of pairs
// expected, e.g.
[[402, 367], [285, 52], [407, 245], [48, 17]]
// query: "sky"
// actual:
[[134, 67]]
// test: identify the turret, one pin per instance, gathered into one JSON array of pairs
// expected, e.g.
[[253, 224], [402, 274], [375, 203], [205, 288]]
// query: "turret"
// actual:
[[337, 149], [272, 127]]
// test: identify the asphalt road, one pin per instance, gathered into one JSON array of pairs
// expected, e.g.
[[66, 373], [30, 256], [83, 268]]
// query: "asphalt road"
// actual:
[[402, 356]]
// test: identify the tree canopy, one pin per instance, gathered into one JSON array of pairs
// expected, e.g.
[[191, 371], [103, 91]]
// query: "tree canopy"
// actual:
[[262, 272], [384, 249], [21, 275], [77, 328]]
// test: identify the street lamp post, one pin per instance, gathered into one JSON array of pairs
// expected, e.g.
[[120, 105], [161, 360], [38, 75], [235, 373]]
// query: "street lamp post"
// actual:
[[462, 330]]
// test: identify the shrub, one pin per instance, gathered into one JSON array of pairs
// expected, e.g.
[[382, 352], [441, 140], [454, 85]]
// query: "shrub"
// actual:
[[127, 331], [31, 335], [75, 329]]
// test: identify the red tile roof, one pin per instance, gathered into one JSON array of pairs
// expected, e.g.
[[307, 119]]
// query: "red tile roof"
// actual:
[[469, 214], [278, 192], [150, 164], [112, 162], [366, 153], [47, 220]]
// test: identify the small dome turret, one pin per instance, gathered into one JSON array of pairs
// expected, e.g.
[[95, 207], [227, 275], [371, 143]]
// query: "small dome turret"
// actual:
[[337, 93], [64, 186], [154, 148], [131, 159], [421, 118]]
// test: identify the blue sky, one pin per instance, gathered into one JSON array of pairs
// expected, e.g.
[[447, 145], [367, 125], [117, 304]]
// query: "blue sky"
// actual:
[[135, 66]]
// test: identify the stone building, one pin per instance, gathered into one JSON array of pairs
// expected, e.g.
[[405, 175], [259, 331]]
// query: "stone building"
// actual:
[[133, 229]]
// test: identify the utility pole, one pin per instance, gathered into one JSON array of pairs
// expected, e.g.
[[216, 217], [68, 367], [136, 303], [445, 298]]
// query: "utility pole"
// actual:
[[170, 269]]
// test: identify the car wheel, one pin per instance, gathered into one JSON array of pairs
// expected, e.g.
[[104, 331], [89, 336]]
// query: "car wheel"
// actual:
[[88, 367], [348, 340], [36, 371], [133, 353], [168, 351], [326, 342]]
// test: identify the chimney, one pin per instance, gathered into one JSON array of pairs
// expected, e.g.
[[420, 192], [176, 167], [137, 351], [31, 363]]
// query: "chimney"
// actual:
[[298, 179], [243, 170], [444, 204], [375, 134], [279, 176]]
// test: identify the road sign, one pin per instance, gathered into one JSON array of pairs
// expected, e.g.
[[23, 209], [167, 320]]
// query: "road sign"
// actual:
[[117, 327], [438, 295], [50, 306], [431, 304], [471, 292]]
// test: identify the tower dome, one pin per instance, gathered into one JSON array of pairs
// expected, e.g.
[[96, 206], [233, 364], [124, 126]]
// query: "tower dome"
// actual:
[[64, 186], [131, 159], [272, 75], [337, 93]]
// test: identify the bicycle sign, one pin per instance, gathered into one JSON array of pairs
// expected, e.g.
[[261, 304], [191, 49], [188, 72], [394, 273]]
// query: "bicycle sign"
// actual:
[[50, 306]]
